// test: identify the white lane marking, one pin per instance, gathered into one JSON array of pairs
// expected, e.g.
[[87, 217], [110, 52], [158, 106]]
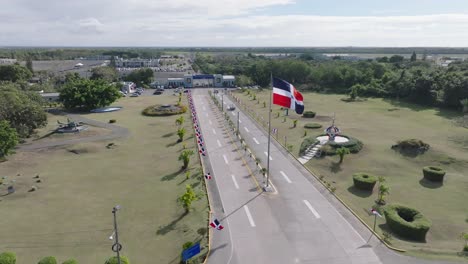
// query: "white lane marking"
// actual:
[[256, 141], [206, 114], [235, 182], [225, 159], [249, 216], [233, 114], [214, 131], [224, 102], [204, 108], [219, 143], [210, 122], [311, 209], [240, 121], [266, 154], [246, 129], [285, 177]]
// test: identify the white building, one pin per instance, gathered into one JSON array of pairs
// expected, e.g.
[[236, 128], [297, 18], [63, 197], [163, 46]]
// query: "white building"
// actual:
[[7, 61], [128, 87]]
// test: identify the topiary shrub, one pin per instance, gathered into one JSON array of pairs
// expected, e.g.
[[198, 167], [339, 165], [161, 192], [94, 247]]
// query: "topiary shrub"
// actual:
[[307, 143], [354, 145], [113, 260], [364, 181], [407, 222], [312, 125], [411, 147], [48, 260], [308, 114], [8, 258], [70, 261], [164, 110], [433, 173]]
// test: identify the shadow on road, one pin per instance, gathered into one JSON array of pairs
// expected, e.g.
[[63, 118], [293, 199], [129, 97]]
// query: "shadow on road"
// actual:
[[250, 200]]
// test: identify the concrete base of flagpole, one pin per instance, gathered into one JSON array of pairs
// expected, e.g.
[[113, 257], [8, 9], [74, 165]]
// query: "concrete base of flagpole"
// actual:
[[267, 188]]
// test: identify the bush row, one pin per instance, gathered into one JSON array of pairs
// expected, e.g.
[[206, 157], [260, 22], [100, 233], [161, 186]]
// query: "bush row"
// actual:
[[10, 258], [407, 222]]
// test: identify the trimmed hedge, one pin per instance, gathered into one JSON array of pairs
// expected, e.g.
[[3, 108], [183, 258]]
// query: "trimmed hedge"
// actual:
[[307, 143], [407, 222], [308, 114], [433, 173], [70, 261], [8, 258], [411, 146], [113, 260], [160, 111], [364, 181], [48, 260], [354, 145], [312, 125]]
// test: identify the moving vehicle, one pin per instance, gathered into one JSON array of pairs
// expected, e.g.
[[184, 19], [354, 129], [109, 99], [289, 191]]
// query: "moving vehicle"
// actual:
[[231, 107]]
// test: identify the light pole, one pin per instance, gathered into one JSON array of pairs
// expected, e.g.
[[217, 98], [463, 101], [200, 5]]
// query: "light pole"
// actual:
[[238, 113], [222, 102], [116, 247]]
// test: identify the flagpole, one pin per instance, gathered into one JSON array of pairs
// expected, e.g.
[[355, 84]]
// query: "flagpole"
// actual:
[[267, 185]]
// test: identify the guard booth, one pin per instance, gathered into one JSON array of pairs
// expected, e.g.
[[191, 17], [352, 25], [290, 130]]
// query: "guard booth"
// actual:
[[208, 80]]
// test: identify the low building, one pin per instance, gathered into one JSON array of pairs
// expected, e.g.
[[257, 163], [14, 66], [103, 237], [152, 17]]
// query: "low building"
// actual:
[[136, 63], [50, 97], [197, 80], [7, 61]]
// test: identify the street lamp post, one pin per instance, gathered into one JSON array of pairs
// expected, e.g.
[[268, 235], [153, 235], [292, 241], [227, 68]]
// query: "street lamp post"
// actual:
[[116, 247], [222, 102], [238, 113]]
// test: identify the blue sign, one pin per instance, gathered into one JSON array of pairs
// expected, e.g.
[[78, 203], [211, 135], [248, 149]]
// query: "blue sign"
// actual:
[[190, 252]]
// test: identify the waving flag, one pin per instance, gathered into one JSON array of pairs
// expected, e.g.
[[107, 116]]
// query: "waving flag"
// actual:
[[286, 95], [216, 224]]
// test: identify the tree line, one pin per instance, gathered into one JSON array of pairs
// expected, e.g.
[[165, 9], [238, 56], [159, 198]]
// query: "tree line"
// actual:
[[417, 81]]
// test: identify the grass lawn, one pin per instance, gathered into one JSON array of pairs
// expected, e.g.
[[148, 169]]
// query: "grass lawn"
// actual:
[[379, 124], [69, 216]]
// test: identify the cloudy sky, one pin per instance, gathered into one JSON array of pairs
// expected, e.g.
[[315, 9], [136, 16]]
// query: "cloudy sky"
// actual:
[[234, 23]]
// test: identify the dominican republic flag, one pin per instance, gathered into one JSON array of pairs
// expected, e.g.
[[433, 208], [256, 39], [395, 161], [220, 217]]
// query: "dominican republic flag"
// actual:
[[375, 212], [208, 176], [216, 224], [286, 95]]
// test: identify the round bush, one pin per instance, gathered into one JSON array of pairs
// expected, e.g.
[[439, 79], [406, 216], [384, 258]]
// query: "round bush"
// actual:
[[363, 181], [433, 173], [407, 222], [113, 260], [112, 121], [308, 114], [70, 261], [48, 260], [164, 110], [312, 125], [7, 258]]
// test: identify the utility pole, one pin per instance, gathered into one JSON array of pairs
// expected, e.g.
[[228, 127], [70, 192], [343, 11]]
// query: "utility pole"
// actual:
[[116, 247]]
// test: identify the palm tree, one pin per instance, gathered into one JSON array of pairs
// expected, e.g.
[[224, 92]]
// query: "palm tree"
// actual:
[[185, 157], [181, 134], [187, 198], [342, 152], [383, 190], [180, 121]]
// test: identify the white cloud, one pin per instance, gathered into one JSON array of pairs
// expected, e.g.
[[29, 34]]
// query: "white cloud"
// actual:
[[213, 23]]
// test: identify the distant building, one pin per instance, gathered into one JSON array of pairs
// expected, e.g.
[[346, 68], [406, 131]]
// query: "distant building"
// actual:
[[50, 97], [7, 61], [136, 63], [96, 57], [197, 80]]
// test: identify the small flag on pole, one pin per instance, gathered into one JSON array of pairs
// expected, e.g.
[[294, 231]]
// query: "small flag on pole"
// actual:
[[375, 212], [208, 176], [215, 224]]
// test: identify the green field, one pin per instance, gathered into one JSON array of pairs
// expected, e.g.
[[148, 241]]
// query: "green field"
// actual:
[[379, 124], [69, 216]]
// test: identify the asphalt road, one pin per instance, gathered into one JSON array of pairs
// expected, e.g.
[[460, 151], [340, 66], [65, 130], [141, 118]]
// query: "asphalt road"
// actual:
[[296, 225]]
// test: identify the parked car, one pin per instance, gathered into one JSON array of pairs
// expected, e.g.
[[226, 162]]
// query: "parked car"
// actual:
[[157, 92], [160, 89], [185, 91]]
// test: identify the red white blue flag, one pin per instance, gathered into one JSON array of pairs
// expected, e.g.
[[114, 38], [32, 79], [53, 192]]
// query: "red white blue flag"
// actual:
[[208, 176], [215, 224], [286, 95]]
